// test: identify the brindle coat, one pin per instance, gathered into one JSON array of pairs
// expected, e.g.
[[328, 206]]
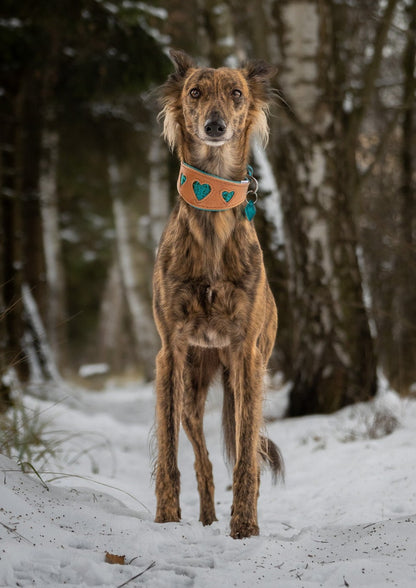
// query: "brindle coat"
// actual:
[[212, 304]]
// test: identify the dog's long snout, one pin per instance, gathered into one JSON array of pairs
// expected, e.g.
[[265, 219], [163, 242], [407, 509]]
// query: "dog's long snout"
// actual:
[[215, 126]]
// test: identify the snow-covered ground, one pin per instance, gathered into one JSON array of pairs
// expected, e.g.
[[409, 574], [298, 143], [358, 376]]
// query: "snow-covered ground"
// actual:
[[345, 517]]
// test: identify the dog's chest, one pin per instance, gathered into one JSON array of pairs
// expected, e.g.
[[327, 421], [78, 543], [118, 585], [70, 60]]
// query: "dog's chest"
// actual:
[[205, 285]]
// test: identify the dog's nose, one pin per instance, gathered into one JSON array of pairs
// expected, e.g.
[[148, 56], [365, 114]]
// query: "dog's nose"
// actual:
[[215, 127]]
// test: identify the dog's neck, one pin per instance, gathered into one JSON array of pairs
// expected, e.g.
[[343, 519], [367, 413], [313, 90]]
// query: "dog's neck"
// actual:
[[227, 161], [212, 230]]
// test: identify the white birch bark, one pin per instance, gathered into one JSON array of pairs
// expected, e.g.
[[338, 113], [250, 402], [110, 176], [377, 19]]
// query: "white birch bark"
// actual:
[[271, 203], [301, 20], [333, 352], [56, 314], [36, 342], [221, 26], [139, 311], [111, 319]]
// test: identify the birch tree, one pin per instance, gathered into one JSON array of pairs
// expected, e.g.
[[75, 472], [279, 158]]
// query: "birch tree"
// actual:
[[334, 361], [55, 315], [135, 276]]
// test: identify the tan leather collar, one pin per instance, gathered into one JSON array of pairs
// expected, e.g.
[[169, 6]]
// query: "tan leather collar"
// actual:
[[208, 192]]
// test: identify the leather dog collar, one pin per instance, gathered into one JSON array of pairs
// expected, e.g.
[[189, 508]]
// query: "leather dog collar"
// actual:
[[208, 192]]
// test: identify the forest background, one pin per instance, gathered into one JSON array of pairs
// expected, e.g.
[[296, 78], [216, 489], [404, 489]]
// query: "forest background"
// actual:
[[86, 184]]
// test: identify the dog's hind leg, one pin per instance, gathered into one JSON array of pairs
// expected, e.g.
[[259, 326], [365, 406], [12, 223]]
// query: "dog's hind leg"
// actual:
[[201, 367], [169, 400]]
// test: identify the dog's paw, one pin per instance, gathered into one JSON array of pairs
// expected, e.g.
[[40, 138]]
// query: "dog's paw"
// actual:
[[240, 529], [207, 518]]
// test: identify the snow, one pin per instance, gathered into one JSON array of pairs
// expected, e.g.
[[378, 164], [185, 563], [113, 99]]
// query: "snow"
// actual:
[[161, 13], [93, 369], [272, 203], [11, 23], [346, 516]]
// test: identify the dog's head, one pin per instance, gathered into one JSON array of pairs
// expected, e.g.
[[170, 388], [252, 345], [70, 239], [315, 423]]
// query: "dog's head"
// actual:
[[215, 106]]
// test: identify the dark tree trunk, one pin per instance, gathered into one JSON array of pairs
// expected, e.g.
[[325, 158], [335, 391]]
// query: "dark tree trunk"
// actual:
[[4, 355], [33, 254], [404, 334], [11, 232]]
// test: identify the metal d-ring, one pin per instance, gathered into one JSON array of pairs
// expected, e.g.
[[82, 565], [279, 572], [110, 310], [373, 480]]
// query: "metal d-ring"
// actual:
[[254, 191], [256, 196], [256, 185]]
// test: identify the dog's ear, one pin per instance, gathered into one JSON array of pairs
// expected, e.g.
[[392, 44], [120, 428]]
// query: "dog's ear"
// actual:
[[170, 96], [260, 70], [181, 61], [258, 75]]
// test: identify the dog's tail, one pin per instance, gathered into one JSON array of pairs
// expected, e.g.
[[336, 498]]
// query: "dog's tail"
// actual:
[[269, 453], [272, 458]]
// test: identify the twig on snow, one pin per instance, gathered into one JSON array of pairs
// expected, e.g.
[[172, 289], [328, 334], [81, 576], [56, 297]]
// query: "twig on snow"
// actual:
[[152, 565], [16, 533]]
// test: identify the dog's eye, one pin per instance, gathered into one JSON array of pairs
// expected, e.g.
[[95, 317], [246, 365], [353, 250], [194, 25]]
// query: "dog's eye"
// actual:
[[195, 93], [236, 93]]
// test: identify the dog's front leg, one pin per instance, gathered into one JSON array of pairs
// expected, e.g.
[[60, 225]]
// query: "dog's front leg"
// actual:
[[246, 377], [169, 399]]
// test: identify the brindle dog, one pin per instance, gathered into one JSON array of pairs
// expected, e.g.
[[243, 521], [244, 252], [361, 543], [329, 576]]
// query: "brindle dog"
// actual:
[[212, 303]]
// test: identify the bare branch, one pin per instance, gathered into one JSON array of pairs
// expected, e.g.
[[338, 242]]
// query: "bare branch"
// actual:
[[371, 71]]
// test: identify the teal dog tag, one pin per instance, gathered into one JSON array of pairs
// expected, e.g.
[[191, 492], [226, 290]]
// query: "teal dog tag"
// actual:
[[250, 210]]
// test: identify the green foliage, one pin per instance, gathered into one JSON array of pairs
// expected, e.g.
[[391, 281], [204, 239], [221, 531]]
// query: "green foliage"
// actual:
[[83, 49], [110, 53]]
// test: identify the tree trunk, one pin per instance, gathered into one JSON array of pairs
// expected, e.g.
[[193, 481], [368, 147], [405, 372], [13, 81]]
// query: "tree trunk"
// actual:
[[56, 319], [37, 349], [334, 362], [135, 283], [112, 333], [220, 28], [404, 307], [270, 228], [33, 253], [4, 367], [158, 189], [11, 232]]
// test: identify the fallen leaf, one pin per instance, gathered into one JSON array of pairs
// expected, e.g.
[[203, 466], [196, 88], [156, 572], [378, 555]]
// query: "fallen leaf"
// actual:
[[115, 559]]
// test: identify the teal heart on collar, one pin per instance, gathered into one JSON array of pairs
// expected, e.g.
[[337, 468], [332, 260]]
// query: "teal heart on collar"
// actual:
[[183, 179], [227, 195], [201, 190]]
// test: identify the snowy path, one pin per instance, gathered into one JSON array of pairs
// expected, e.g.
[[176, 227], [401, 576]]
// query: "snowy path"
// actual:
[[346, 516]]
